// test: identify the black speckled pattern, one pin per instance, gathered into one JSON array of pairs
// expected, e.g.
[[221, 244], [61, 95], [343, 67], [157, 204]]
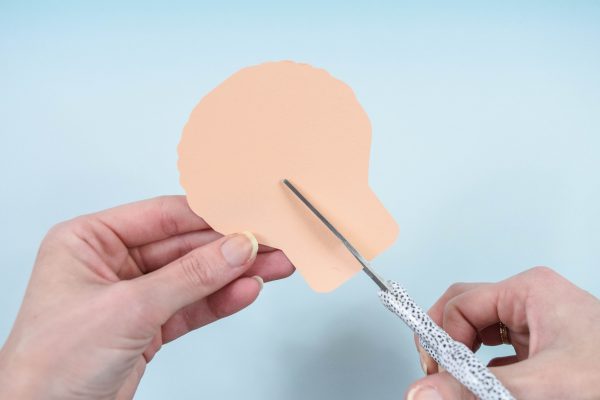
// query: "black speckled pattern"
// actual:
[[454, 356]]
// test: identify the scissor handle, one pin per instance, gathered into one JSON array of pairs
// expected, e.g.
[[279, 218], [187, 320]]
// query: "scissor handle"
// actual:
[[455, 357]]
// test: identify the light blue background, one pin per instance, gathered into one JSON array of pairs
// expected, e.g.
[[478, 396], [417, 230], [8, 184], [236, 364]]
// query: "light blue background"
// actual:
[[486, 123]]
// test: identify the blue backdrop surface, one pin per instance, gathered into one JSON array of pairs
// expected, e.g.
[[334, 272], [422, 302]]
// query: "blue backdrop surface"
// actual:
[[486, 134]]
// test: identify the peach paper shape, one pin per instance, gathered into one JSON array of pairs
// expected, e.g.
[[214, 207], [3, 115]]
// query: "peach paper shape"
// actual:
[[286, 120]]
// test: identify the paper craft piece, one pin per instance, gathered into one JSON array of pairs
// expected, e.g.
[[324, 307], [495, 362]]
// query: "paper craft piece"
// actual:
[[286, 120]]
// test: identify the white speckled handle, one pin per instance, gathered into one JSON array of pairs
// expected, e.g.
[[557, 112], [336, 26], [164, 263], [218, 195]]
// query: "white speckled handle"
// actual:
[[454, 356]]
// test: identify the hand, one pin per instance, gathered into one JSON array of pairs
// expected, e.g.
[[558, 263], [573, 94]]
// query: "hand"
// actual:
[[108, 289], [554, 328]]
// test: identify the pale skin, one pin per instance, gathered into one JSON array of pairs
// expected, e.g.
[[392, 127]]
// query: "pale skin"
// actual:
[[108, 289], [554, 329]]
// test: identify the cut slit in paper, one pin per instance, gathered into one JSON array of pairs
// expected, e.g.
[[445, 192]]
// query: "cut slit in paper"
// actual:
[[286, 120]]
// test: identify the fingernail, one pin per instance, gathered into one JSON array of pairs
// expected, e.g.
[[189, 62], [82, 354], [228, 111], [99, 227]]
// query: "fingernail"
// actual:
[[240, 248], [423, 359], [254, 243], [260, 281], [423, 364], [423, 393]]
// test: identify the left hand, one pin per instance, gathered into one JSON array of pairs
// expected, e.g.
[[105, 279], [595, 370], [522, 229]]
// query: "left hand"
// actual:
[[109, 289]]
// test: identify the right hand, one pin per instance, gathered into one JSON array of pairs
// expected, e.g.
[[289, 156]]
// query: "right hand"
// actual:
[[554, 329]]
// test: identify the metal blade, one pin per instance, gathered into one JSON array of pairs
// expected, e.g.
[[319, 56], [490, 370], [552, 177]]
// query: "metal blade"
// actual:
[[363, 261]]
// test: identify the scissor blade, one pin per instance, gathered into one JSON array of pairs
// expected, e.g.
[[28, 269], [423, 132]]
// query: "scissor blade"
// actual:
[[359, 257]]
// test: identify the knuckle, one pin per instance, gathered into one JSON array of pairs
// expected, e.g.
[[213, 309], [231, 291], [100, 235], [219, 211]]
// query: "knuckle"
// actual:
[[64, 233], [168, 223], [198, 271], [456, 287], [71, 227], [60, 230], [542, 272], [450, 307], [186, 246], [218, 310], [452, 311]]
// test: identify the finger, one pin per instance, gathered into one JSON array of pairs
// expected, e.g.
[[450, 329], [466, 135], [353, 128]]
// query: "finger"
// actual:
[[490, 336], [232, 298], [428, 364], [438, 386], [271, 266], [521, 379], [501, 361], [196, 275], [151, 220], [151, 256], [477, 309], [443, 386], [436, 312], [266, 249]]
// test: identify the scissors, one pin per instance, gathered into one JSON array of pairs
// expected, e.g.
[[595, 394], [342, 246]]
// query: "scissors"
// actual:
[[456, 358]]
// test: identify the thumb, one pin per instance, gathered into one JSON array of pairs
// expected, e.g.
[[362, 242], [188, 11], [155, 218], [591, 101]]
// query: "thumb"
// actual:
[[198, 274], [440, 386], [519, 378]]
